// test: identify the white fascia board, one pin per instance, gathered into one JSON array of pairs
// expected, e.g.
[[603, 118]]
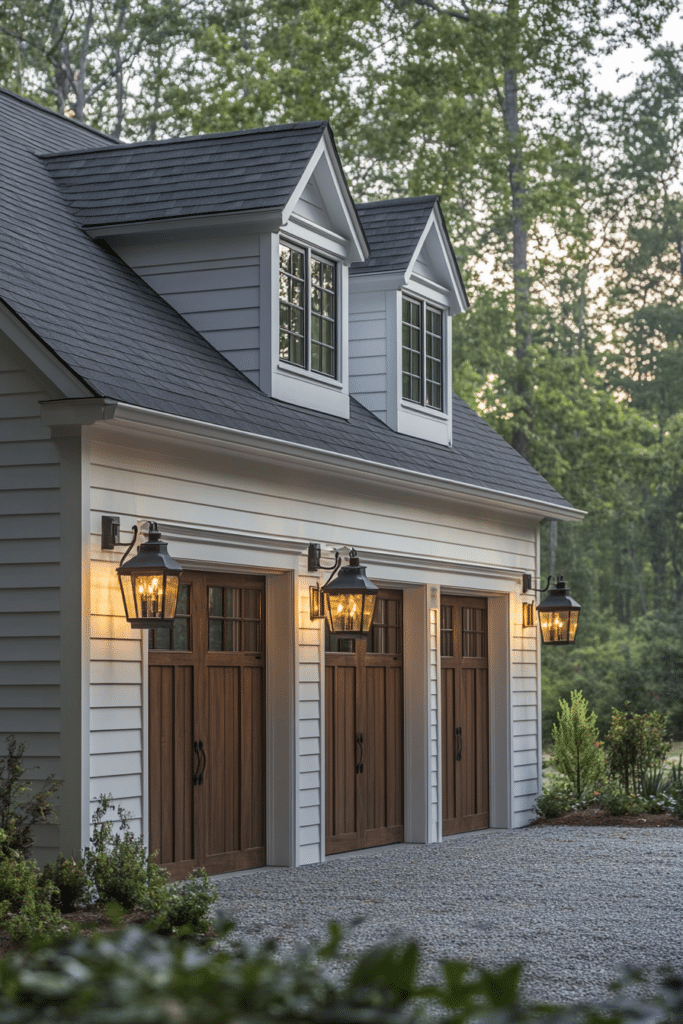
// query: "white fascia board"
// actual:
[[207, 224], [380, 282], [458, 297], [279, 451], [336, 193], [63, 413], [39, 356]]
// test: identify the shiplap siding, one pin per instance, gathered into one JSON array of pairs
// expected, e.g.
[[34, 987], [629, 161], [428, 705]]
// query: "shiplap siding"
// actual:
[[368, 350], [309, 688], [526, 708], [434, 745], [312, 206], [29, 580], [214, 284], [116, 694], [230, 513]]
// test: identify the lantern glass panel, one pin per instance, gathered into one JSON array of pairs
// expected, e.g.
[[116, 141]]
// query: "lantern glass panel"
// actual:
[[170, 596], [128, 597], [149, 596], [558, 625]]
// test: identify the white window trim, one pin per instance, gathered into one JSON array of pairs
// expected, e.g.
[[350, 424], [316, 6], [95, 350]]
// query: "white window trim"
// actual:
[[408, 403], [305, 372]]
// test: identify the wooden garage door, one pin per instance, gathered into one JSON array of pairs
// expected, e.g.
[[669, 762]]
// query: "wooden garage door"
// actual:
[[464, 714], [207, 727], [364, 734]]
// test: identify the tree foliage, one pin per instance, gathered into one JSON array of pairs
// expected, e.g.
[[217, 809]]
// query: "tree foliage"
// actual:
[[566, 210]]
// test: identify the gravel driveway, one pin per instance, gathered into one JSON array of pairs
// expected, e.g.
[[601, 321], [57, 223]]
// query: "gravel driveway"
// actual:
[[573, 903]]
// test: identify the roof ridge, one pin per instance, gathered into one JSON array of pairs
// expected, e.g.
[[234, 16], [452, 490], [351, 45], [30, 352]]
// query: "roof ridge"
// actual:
[[402, 200], [55, 113], [177, 140]]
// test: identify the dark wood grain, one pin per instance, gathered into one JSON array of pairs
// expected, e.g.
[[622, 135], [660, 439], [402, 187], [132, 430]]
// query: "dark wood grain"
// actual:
[[464, 707]]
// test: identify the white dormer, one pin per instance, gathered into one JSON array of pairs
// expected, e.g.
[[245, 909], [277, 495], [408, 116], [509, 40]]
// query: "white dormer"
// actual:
[[253, 249], [401, 304], [305, 289]]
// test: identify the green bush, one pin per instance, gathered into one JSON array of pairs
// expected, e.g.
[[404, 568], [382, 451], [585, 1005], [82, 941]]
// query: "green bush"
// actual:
[[556, 798], [70, 884], [576, 751], [635, 745], [120, 868], [187, 907], [21, 805], [615, 800], [25, 906], [135, 976]]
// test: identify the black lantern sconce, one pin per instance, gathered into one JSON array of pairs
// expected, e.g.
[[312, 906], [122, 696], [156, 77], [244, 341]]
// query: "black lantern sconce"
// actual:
[[149, 580], [558, 613], [348, 601]]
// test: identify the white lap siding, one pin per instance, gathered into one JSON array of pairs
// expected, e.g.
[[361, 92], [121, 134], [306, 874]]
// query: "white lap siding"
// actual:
[[29, 580], [231, 511]]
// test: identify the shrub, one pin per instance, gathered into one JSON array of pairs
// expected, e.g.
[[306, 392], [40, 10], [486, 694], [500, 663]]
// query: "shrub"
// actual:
[[21, 805], [556, 798], [576, 753], [676, 787], [187, 907], [135, 977], [615, 800], [635, 744], [70, 884], [25, 908], [119, 867]]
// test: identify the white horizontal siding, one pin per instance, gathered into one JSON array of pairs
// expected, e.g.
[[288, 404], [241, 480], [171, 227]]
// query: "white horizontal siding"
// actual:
[[203, 491], [116, 721], [368, 350], [29, 580], [214, 284]]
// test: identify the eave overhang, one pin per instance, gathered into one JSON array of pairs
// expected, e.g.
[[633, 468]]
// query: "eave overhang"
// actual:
[[65, 415]]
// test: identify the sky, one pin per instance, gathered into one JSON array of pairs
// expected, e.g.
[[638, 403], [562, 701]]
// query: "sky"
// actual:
[[617, 72]]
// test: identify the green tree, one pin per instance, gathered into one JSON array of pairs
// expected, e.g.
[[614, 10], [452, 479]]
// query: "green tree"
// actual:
[[576, 750]]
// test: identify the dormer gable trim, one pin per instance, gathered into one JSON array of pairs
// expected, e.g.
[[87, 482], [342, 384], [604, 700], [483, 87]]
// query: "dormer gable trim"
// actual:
[[324, 167], [434, 241]]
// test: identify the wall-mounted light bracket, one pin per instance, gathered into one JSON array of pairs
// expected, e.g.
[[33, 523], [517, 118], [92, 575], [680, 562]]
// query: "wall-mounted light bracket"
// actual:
[[315, 597], [111, 532]]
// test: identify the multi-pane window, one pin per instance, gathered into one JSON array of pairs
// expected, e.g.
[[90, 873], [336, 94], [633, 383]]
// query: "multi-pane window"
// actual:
[[308, 310], [235, 619], [422, 341]]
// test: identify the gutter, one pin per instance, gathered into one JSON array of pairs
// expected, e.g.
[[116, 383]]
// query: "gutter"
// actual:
[[87, 412]]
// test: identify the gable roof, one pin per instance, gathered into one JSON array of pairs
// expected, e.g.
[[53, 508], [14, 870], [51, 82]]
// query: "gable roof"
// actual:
[[126, 343], [257, 169], [393, 228]]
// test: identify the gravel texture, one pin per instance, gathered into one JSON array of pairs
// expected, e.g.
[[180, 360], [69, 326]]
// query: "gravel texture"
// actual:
[[574, 904]]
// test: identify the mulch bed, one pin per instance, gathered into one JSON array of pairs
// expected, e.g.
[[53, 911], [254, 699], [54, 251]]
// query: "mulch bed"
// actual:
[[94, 919], [596, 816]]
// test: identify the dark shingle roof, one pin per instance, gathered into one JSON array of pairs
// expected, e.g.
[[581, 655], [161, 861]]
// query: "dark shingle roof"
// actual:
[[126, 343], [393, 227], [210, 174]]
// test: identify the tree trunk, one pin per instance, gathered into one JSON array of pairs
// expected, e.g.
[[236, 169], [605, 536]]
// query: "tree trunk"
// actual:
[[520, 235]]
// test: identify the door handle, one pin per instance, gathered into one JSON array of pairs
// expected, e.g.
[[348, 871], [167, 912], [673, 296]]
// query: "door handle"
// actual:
[[198, 777], [458, 744], [359, 763]]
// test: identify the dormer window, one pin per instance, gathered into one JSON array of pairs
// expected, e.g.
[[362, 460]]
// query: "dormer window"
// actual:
[[308, 310], [422, 340]]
